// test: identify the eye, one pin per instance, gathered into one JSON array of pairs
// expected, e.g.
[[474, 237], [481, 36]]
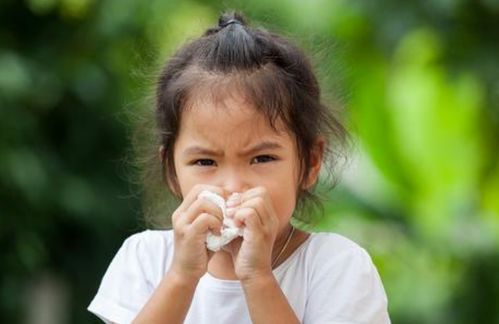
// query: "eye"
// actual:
[[204, 162], [263, 159]]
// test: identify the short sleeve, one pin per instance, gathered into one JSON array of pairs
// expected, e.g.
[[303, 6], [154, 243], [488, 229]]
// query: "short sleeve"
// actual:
[[346, 289], [128, 282]]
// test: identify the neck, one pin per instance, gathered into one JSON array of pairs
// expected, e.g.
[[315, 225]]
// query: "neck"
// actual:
[[281, 244], [222, 266]]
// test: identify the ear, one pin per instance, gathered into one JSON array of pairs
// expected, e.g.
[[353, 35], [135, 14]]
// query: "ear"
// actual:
[[163, 158], [316, 156]]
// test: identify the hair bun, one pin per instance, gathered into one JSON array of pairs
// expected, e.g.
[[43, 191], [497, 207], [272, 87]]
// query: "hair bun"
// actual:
[[231, 18]]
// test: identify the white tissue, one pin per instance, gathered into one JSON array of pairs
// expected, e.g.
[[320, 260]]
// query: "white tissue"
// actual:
[[229, 230]]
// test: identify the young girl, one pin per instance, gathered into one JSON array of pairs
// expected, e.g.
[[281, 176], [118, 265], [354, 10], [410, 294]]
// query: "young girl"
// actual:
[[240, 119]]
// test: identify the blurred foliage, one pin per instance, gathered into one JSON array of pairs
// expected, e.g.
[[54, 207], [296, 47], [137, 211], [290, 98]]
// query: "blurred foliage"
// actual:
[[420, 84]]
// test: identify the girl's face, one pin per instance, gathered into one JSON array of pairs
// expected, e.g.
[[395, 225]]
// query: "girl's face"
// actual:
[[235, 148]]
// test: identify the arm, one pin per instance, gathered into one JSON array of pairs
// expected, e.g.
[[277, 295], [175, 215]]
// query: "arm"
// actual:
[[192, 220], [171, 300], [252, 258], [266, 301]]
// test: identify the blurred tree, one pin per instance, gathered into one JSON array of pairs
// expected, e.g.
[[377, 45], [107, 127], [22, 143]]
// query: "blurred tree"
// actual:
[[418, 79]]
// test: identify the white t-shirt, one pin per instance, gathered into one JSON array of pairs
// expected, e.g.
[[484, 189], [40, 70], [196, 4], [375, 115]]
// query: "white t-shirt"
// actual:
[[328, 279]]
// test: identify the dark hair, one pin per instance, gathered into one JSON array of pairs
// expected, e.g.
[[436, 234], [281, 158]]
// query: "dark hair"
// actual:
[[269, 71]]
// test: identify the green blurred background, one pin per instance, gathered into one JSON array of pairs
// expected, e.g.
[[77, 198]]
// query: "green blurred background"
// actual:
[[420, 84]]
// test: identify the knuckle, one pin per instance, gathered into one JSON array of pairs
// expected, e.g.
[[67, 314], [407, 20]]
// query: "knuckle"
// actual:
[[204, 215], [179, 233], [259, 201], [176, 216], [261, 190], [201, 205], [196, 204], [252, 216], [210, 217], [207, 206], [240, 214], [246, 211], [269, 232]]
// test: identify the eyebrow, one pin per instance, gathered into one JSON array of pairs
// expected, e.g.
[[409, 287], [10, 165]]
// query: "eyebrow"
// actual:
[[266, 145]]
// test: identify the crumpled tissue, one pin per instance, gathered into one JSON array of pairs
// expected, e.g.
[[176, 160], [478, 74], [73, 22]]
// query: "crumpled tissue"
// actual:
[[229, 230]]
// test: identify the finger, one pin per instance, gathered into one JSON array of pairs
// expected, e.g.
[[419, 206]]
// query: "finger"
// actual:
[[253, 229], [234, 199], [259, 199], [190, 198], [257, 192], [198, 207], [247, 217], [253, 192], [205, 223], [260, 207], [194, 193]]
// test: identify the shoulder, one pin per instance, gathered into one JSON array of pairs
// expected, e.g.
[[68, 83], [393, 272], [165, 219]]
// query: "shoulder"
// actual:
[[135, 271], [335, 255], [149, 239], [328, 238], [149, 250], [337, 266], [332, 246], [336, 260]]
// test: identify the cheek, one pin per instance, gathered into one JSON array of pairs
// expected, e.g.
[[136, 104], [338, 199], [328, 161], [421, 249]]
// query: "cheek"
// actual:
[[284, 200], [184, 179], [186, 182]]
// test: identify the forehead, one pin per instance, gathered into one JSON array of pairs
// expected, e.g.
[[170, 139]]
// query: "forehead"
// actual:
[[232, 121]]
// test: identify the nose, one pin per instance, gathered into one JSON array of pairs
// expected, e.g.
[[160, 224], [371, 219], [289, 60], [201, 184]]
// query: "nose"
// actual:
[[234, 180]]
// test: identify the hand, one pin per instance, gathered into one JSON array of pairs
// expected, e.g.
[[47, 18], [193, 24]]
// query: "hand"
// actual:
[[253, 254], [192, 221]]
